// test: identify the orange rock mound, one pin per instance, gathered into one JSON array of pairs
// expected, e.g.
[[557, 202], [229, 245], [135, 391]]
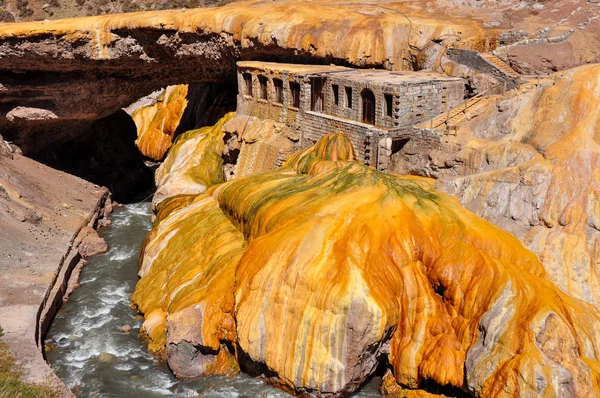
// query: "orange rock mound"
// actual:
[[156, 123], [532, 165], [313, 273]]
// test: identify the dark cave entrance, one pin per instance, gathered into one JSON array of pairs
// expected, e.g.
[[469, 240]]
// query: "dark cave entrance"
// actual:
[[104, 151]]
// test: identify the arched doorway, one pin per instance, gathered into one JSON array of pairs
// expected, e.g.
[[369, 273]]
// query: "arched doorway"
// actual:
[[368, 106]]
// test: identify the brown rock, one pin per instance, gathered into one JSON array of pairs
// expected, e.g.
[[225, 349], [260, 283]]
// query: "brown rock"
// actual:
[[126, 329], [106, 357], [91, 244], [25, 113], [37, 257]]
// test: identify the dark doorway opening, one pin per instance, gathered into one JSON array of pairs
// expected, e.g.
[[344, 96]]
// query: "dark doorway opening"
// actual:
[[368, 106], [263, 87], [317, 98], [278, 85], [295, 91], [398, 145]]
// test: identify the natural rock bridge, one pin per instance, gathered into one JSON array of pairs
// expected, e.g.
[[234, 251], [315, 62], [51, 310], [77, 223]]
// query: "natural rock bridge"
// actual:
[[72, 72]]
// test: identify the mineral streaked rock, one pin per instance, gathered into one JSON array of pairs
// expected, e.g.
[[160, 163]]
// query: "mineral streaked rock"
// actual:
[[315, 271], [194, 163], [531, 164], [352, 31], [156, 123]]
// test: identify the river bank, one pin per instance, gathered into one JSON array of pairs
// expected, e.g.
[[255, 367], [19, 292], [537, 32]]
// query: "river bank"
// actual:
[[91, 353], [46, 221]]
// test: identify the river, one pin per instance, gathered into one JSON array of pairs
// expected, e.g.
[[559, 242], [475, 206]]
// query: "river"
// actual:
[[90, 353]]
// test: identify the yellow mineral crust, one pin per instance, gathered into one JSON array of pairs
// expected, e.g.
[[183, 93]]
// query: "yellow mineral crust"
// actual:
[[317, 269], [193, 164], [156, 123], [359, 33]]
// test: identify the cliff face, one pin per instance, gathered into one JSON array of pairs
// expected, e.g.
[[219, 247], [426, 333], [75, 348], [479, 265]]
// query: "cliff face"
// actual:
[[156, 123], [46, 220], [530, 164], [313, 273], [51, 68]]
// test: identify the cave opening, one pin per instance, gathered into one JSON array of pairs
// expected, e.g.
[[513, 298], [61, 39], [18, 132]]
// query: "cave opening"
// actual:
[[104, 151]]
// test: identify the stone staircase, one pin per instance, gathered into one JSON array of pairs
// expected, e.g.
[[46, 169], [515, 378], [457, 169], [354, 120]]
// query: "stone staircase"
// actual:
[[500, 65], [450, 120], [457, 115]]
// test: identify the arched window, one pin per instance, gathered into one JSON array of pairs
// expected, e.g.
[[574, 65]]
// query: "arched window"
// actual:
[[368, 106]]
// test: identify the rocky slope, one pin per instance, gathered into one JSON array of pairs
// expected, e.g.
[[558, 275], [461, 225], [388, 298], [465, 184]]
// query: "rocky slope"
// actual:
[[46, 220], [530, 164], [312, 274]]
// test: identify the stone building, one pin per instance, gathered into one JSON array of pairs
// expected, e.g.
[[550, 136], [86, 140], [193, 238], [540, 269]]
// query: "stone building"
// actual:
[[370, 106]]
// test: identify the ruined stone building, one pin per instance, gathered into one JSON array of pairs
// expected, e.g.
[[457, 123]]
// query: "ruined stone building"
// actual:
[[370, 106]]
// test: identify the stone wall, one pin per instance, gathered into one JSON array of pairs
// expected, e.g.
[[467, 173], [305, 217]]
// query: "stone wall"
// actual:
[[253, 105], [411, 103], [364, 137], [407, 150]]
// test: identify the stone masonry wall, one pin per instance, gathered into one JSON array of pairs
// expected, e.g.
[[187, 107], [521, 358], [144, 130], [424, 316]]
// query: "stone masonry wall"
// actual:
[[364, 137], [412, 103]]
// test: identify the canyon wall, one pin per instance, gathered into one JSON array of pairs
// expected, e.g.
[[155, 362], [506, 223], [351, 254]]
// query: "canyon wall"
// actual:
[[46, 229], [59, 76]]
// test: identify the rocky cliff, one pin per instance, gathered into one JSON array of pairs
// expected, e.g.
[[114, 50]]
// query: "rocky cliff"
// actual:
[[46, 220], [314, 273], [51, 68], [529, 163]]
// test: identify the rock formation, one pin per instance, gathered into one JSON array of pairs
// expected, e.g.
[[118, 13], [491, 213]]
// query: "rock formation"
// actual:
[[156, 123], [530, 163], [313, 273], [179, 109], [45, 229]]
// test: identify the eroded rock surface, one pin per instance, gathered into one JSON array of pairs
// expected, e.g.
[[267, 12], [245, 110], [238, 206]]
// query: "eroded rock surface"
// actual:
[[313, 273], [530, 164], [179, 109], [156, 123], [42, 215]]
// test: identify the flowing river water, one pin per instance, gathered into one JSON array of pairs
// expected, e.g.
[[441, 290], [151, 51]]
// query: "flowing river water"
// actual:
[[90, 353]]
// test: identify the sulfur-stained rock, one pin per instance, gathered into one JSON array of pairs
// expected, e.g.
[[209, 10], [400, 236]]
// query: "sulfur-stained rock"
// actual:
[[531, 164], [317, 271], [193, 164], [156, 123]]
